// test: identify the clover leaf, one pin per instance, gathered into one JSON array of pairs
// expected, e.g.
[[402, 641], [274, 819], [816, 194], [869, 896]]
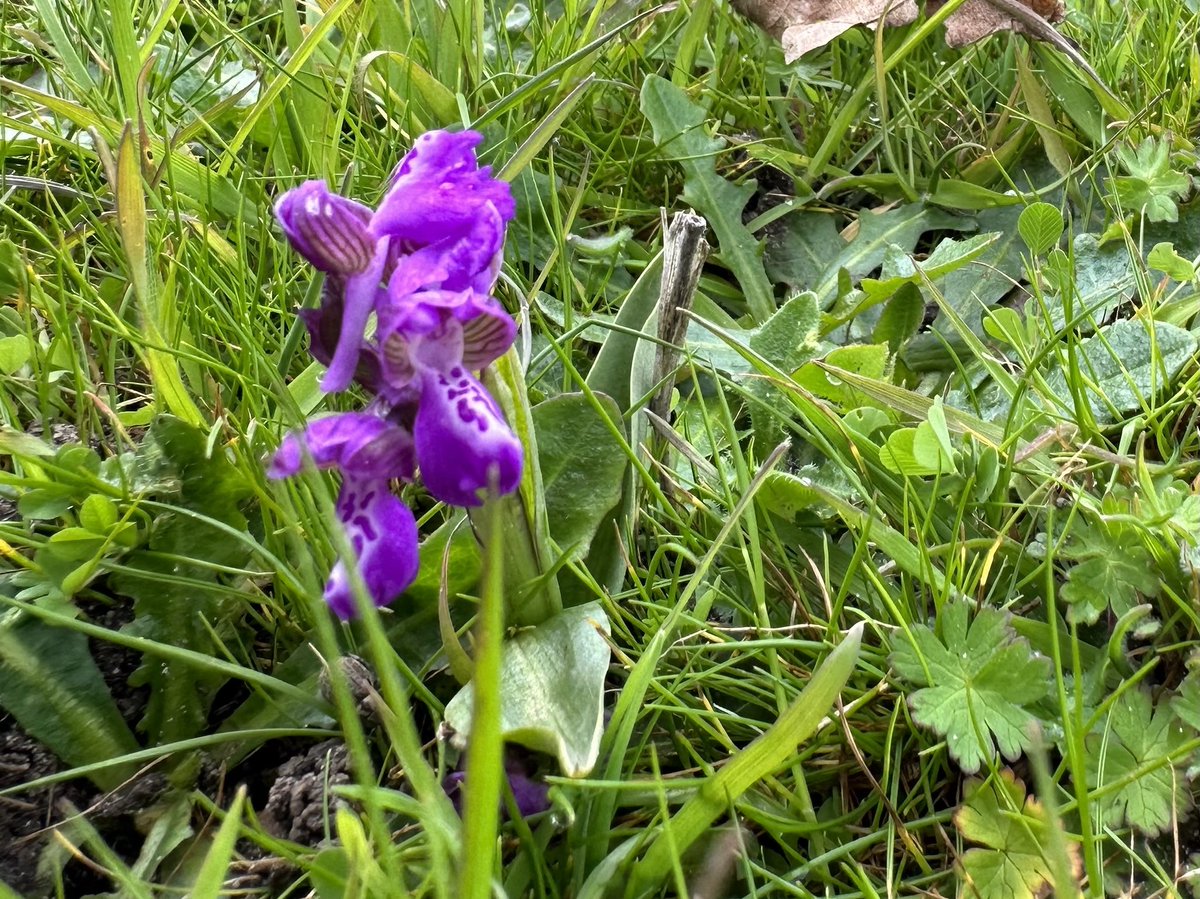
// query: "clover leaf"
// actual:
[[1138, 735], [1013, 827], [976, 682]]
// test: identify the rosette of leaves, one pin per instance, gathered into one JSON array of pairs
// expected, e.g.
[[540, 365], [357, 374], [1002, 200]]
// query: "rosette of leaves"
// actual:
[[976, 683]]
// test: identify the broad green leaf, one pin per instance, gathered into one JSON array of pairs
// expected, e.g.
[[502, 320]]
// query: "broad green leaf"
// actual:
[[465, 562], [1013, 827], [785, 341], [51, 685], [976, 683], [900, 318], [621, 373], [1100, 281], [788, 493], [1040, 226], [583, 466], [798, 251], [610, 373], [15, 351], [98, 514], [970, 291], [789, 337], [876, 233], [865, 360], [1127, 365], [678, 125], [12, 267], [1137, 734], [915, 452], [552, 684], [762, 758], [1163, 258], [22, 445]]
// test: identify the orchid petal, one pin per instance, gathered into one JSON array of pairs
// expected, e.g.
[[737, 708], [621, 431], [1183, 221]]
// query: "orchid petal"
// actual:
[[383, 534], [358, 302], [488, 331], [362, 445], [329, 231], [462, 442], [324, 325], [438, 190]]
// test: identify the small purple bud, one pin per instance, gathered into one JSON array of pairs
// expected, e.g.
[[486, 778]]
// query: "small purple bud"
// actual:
[[331, 232], [463, 444], [531, 796]]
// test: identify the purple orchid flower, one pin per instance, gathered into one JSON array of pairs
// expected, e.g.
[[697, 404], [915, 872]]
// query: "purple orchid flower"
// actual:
[[532, 796], [370, 451], [441, 224], [424, 263], [429, 342]]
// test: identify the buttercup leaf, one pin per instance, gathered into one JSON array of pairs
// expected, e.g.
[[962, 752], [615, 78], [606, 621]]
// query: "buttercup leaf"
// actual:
[[977, 682], [1136, 735], [1011, 829]]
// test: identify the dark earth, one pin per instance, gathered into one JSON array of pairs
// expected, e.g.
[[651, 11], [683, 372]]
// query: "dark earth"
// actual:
[[287, 781]]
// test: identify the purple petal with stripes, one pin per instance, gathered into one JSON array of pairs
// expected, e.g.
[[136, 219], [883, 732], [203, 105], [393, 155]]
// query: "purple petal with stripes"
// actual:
[[331, 232]]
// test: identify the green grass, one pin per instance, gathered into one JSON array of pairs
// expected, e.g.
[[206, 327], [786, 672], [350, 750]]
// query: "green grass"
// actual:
[[1037, 456]]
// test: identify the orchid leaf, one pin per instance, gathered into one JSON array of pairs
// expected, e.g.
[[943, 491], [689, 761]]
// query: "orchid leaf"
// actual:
[[50, 683], [583, 466], [552, 684]]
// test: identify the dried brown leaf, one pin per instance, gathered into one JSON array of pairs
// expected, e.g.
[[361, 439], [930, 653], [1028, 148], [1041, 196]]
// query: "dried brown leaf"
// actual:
[[804, 25]]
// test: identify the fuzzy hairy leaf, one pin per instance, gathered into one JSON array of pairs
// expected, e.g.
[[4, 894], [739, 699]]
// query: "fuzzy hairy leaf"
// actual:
[[976, 683], [1127, 364]]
